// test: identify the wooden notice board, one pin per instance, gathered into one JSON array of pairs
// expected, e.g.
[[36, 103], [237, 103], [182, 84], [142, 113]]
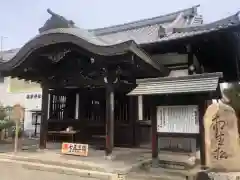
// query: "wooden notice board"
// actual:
[[75, 149]]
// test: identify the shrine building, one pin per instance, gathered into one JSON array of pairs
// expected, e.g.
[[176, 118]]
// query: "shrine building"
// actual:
[[141, 84]]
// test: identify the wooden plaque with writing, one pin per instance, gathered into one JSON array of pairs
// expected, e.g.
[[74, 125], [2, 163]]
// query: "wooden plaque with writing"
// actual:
[[17, 113], [75, 149]]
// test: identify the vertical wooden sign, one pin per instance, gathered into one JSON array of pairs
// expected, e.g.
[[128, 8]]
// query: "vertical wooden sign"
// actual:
[[17, 116]]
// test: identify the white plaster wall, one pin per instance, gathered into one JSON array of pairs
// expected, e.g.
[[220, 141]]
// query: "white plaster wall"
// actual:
[[10, 99], [31, 104]]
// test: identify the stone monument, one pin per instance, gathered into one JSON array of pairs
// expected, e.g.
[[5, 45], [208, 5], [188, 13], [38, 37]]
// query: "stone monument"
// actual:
[[221, 138]]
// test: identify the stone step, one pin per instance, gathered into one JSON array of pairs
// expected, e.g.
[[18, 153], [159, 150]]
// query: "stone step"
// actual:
[[177, 160]]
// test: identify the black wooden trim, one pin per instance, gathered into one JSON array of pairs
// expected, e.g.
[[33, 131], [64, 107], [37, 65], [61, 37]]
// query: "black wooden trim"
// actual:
[[181, 135]]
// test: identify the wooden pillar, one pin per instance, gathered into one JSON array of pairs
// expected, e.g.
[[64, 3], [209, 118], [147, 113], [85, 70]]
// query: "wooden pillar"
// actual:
[[109, 121], [133, 117], [82, 105], [77, 106], [140, 107], [50, 105], [154, 135], [44, 118], [202, 108]]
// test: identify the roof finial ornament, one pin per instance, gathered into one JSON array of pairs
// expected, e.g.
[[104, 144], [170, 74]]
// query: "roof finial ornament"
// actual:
[[56, 21], [238, 15], [161, 32], [51, 12]]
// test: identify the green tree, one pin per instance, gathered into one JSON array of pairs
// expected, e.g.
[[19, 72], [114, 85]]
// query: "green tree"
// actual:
[[2, 112], [232, 93]]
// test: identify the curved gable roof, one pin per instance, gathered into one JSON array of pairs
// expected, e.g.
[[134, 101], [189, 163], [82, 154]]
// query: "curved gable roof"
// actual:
[[83, 39]]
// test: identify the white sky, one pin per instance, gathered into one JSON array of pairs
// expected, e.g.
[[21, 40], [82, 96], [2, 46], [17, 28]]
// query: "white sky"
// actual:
[[20, 19]]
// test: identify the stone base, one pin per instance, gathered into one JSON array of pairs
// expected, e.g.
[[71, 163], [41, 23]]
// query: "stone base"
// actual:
[[163, 174], [218, 175], [109, 157], [224, 175], [155, 163], [177, 161]]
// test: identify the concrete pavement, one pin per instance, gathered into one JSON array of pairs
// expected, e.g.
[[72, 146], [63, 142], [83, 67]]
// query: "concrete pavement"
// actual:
[[21, 170], [27, 167], [15, 171], [52, 163]]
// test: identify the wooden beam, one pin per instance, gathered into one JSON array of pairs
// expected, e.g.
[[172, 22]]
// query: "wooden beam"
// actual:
[[109, 120], [44, 120]]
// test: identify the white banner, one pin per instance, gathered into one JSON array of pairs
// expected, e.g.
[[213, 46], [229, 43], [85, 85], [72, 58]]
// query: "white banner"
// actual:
[[178, 119]]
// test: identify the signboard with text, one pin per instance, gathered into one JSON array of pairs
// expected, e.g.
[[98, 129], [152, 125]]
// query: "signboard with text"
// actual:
[[75, 149], [178, 119]]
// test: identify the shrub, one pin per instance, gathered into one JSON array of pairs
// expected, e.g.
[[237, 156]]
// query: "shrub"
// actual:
[[2, 112], [4, 124]]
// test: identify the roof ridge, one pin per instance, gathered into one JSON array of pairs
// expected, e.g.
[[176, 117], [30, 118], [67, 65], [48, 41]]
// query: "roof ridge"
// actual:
[[145, 22]]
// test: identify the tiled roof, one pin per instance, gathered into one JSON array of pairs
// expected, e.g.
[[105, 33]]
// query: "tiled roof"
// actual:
[[168, 18], [187, 32], [143, 31], [7, 55], [174, 85], [146, 31]]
